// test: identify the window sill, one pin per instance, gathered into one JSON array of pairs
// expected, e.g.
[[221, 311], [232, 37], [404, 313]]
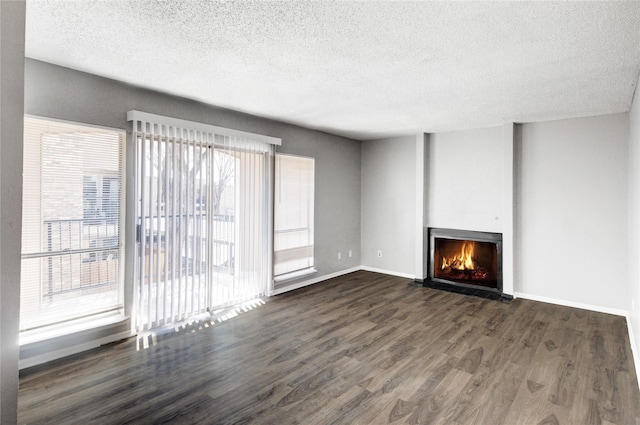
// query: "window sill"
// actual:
[[70, 327], [43, 345], [294, 275]]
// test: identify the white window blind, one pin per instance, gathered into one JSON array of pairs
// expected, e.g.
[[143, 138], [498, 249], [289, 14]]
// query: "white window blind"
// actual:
[[203, 217], [293, 214], [72, 222]]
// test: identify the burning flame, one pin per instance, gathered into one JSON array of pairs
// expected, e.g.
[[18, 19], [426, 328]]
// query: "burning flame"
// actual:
[[463, 260]]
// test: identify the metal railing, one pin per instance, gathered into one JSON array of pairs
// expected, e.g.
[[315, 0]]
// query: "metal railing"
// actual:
[[80, 254], [172, 245]]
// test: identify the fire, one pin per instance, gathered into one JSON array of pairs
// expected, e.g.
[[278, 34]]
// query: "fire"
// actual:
[[463, 260]]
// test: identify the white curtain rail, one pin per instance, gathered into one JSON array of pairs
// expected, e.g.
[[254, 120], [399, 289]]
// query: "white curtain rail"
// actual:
[[196, 126]]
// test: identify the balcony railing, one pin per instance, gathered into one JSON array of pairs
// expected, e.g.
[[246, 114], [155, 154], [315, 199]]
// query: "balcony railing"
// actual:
[[178, 245], [82, 254], [79, 255]]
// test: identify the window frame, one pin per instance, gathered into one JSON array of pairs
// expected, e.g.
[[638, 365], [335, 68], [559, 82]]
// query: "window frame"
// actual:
[[309, 269], [100, 317]]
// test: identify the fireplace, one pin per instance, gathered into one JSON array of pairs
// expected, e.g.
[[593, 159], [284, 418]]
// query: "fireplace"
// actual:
[[465, 261]]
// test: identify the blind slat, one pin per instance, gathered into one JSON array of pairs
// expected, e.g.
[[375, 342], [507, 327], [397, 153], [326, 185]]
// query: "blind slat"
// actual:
[[202, 217], [72, 222]]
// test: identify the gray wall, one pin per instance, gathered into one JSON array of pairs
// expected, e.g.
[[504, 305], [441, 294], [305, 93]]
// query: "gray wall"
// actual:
[[12, 21], [572, 211], [571, 187], [61, 93], [56, 92], [389, 179], [634, 222]]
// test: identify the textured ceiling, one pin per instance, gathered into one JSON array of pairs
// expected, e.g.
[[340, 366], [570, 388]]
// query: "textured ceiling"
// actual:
[[360, 69]]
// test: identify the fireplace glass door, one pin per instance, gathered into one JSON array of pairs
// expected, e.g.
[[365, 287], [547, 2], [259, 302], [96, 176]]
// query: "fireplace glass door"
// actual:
[[466, 258], [466, 261]]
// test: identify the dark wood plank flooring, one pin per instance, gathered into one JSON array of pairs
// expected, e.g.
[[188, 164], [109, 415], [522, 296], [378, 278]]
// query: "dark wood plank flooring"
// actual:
[[363, 348]]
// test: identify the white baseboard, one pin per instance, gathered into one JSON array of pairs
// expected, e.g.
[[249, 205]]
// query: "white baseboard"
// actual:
[[634, 347], [68, 351], [599, 309], [389, 272], [308, 282], [302, 284]]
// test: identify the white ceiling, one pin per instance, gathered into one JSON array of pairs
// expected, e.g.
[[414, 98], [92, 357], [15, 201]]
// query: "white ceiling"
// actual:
[[360, 69]]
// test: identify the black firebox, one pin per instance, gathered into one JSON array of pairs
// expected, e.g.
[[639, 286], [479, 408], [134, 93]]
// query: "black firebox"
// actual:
[[465, 261]]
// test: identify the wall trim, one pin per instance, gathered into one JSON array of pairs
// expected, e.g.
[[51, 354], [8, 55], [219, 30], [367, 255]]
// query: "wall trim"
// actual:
[[302, 284], [508, 209], [634, 349], [599, 309], [389, 272], [74, 349], [308, 282], [420, 268]]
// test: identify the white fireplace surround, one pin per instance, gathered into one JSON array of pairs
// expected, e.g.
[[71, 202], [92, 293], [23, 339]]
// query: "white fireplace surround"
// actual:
[[469, 183]]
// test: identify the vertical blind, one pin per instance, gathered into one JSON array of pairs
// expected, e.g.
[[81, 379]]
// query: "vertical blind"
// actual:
[[293, 214], [72, 222], [203, 221]]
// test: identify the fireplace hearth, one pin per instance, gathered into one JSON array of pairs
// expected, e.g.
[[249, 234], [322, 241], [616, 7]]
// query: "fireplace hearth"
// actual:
[[465, 261]]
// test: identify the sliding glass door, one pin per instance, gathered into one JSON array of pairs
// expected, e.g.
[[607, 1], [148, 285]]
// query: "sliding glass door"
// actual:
[[203, 222]]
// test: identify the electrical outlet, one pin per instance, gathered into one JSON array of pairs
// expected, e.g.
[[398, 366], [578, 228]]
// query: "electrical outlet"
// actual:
[[379, 253], [339, 255], [350, 254]]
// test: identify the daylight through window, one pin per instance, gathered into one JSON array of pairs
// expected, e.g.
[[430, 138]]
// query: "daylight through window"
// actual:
[[293, 215], [72, 250]]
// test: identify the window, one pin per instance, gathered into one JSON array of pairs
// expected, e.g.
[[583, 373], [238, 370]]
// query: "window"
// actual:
[[101, 197], [293, 216], [72, 239], [203, 216]]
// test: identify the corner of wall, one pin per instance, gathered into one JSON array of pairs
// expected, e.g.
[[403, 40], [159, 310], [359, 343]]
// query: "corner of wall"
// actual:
[[420, 269], [634, 347], [12, 45], [390, 215], [633, 219], [508, 208]]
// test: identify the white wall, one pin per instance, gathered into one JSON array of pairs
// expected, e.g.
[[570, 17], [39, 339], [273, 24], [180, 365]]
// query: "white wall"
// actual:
[[12, 21], [469, 185], [571, 220], [465, 180], [388, 204], [634, 220]]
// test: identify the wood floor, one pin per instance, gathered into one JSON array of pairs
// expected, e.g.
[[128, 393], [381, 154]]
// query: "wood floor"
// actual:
[[364, 348]]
